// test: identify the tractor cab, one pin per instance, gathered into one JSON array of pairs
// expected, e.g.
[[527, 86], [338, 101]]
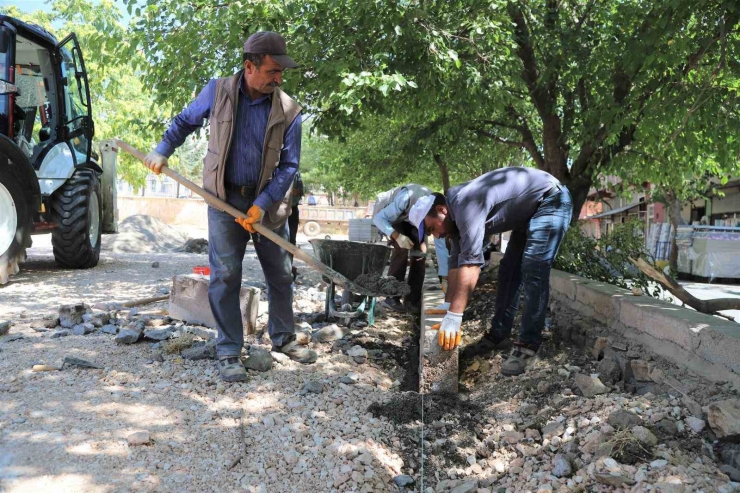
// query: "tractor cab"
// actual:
[[44, 96]]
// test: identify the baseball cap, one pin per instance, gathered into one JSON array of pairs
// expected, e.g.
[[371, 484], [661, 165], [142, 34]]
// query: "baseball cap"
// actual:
[[419, 211], [270, 43]]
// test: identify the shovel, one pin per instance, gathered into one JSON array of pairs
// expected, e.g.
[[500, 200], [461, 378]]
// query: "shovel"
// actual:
[[221, 205]]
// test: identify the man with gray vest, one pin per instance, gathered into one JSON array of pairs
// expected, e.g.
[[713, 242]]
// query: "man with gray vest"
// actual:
[[391, 216], [537, 209], [253, 153]]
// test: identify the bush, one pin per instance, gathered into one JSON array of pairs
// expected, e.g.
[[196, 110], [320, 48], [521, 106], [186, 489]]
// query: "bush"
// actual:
[[607, 259]]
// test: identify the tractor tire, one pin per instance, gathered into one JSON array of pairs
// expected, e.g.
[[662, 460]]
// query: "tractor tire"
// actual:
[[311, 228], [76, 210], [15, 224]]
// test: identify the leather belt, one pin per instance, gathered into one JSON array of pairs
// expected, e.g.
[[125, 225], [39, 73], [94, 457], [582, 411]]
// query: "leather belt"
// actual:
[[243, 190]]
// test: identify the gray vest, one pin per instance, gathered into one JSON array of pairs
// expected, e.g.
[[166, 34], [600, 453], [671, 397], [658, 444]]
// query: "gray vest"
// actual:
[[385, 198]]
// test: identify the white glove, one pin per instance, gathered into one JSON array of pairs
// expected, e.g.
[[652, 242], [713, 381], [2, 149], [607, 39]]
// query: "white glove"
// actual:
[[155, 161], [450, 333], [404, 242]]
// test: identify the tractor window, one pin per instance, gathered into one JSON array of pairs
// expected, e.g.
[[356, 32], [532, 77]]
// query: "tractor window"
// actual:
[[75, 96], [32, 115]]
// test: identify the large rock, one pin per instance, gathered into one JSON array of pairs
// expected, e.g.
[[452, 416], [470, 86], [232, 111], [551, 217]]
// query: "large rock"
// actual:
[[5, 326], [204, 351], [590, 386], [330, 333], [561, 467], [259, 359], [637, 369], [645, 436], [71, 315], [724, 419], [83, 329], [609, 370], [128, 335], [623, 419], [161, 334]]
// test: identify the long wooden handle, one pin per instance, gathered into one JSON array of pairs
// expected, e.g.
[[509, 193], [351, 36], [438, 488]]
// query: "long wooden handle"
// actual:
[[219, 204]]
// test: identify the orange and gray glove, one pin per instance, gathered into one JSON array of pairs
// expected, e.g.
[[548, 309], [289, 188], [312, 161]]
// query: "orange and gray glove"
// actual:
[[254, 215], [450, 333], [404, 241], [155, 161], [443, 283]]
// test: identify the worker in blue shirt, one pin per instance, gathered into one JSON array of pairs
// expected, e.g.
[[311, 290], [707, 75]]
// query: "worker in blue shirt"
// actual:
[[537, 209]]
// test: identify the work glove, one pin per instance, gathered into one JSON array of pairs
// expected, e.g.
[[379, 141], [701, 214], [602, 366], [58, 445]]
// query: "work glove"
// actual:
[[254, 215], [405, 242], [155, 161], [443, 283], [440, 309], [450, 333]]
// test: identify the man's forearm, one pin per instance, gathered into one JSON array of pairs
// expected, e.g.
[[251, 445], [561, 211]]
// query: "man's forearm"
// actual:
[[462, 281]]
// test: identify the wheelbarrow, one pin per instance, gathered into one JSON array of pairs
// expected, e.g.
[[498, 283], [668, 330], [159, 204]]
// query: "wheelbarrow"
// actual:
[[351, 259]]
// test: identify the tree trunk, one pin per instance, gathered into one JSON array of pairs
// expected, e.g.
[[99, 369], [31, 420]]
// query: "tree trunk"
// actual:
[[705, 306], [674, 215], [444, 171]]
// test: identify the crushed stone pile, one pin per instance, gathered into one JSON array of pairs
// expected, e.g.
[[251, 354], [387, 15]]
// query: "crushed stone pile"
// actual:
[[145, 234], [388, 286]]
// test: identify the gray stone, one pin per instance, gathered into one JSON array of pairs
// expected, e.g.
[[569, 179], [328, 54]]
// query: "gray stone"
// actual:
[[467, 487], [128, 335], [351, 378], [5, 326], [71, 315], [561, 467], [667, 427], [693, 406], [69, 360], [403, 480], [645, 436], [281, 358], [60, 333], [204, 351], [155, 265], [615, 480], [733, 473], [259, 359], [110, 329], [696, 424], [609, 370], [724, 419], [553, 429], [161, 334], [623, 419], [314, 386], [83, 329], [590, 386], [208, 334], [330, 333]]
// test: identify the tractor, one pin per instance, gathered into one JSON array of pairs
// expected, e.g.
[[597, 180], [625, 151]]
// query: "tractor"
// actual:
[[50, 179]]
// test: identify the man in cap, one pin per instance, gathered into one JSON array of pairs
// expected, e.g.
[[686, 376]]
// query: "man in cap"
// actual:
[[391, 216], [253, 153], [537, 209]]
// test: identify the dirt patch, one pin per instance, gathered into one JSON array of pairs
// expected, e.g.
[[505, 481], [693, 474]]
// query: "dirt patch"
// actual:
[[387, 286], [407, 408], [145, 234]]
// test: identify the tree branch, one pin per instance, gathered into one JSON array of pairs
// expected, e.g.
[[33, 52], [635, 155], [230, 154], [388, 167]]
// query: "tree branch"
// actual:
[[484, 133]]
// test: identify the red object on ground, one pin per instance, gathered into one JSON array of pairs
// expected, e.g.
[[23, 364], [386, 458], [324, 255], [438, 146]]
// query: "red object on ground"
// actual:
[[202, 269]]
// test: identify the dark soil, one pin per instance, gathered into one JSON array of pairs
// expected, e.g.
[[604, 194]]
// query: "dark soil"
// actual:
[[386, 286]]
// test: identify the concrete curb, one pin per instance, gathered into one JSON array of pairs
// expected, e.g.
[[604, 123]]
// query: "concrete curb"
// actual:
[[707, 345], [437, 368]]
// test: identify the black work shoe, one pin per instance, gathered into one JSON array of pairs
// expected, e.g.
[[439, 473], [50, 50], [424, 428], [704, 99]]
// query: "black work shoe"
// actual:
[[486, 346], [232, 369], [394, 304], [521, 357]]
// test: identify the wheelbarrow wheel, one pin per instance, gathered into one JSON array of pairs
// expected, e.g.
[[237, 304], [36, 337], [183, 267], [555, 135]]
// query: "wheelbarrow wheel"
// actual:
[[311, 228]]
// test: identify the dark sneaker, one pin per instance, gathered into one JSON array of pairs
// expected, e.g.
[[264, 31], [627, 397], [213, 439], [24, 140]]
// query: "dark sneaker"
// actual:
[[232, 369], [298, 353], [520, 358], [394, 304], [486, 346]]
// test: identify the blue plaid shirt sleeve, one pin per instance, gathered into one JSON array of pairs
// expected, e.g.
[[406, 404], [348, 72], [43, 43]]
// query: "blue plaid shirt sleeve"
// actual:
[[187, 122]]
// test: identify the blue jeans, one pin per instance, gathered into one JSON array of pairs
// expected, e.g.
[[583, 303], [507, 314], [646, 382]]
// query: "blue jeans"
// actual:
[[526, 267], [227, 242]]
